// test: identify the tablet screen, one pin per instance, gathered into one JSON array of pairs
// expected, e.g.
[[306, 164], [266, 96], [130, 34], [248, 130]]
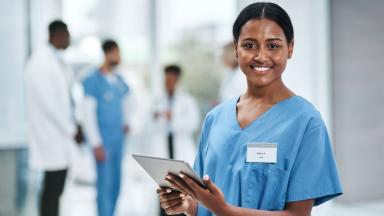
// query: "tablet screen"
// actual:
[[158, 168]]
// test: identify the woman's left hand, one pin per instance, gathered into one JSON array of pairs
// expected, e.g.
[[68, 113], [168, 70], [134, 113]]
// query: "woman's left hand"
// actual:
[[211, 197]]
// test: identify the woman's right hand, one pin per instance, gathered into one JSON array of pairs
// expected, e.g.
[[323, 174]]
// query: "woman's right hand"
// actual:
[[175, 202]]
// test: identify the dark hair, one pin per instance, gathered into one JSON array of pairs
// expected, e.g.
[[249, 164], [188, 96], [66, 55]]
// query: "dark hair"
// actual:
[[172, 69], [109, 45], [265, 10], [56, 26]]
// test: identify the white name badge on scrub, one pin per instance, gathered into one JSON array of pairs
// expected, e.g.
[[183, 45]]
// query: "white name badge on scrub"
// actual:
[[261, 152]]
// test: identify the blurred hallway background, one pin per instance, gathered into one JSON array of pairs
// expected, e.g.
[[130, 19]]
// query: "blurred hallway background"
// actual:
[[336, 65]]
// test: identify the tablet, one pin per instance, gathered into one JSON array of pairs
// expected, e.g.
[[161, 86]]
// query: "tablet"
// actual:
[[158, 168]]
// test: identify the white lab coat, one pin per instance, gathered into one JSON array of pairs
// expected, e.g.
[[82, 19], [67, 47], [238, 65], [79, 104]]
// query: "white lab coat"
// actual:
[[233, 85], [184, 123], [50, 119]]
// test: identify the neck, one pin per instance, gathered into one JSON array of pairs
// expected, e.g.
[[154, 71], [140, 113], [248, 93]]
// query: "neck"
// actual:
[[271, 93], [106, 68], [170, 93]]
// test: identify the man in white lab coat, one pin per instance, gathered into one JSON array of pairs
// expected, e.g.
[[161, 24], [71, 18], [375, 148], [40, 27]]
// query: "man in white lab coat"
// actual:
[[176, 119], [50, 118], [234, 82]]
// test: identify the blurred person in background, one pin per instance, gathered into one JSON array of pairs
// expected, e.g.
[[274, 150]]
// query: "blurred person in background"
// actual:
[[234, 82], [106, 125], [51, 125], [177, 118]]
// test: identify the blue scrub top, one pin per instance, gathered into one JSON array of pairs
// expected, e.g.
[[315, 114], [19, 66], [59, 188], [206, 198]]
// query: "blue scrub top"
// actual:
[[305, 167], [109, 109]]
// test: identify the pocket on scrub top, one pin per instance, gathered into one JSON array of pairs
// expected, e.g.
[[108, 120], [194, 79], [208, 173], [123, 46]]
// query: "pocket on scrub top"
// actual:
[[267, 186]]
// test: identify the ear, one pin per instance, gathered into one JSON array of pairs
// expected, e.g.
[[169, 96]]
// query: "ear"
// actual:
[[290, 49], [235, 49]]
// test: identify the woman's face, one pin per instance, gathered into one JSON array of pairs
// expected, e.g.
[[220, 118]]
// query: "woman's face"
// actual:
[[263, 51]]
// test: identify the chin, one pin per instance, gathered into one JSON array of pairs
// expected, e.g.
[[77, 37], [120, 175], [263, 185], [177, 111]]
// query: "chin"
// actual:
[[260, 82], [114, 65]]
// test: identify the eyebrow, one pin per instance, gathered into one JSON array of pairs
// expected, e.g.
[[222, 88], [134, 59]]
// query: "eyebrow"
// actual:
[[270, 39]]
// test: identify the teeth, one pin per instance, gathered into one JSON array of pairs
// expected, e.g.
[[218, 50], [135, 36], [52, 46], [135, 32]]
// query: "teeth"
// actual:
[[261, 68]]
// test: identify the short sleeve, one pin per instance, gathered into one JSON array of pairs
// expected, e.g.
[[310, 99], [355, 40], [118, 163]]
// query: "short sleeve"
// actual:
[[90, 88], [314, 173]]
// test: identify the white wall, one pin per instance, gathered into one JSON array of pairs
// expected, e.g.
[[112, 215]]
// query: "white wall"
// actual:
[[43, 12], [357, 50], [308, 72], [14, 52], [12, 57]]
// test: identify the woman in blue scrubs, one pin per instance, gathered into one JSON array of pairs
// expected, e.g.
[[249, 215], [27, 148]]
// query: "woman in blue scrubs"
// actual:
[[267, 152]]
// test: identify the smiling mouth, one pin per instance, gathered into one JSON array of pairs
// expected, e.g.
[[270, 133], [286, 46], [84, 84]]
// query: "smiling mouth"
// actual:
[[260, 69]]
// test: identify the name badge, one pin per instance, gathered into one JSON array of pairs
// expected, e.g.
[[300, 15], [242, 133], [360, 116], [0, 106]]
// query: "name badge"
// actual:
[[261, 152]]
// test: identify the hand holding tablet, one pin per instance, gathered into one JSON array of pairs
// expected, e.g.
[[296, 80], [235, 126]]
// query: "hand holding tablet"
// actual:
[[158, 169]]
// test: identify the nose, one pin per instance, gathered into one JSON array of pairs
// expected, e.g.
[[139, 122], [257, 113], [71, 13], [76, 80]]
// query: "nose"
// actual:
[[261, 54]]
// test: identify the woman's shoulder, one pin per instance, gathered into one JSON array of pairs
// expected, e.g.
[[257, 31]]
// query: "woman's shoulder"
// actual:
[[304, 110]]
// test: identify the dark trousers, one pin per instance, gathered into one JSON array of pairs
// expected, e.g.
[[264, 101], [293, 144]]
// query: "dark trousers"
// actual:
[[53, 187], [171, 156], [170, 146]]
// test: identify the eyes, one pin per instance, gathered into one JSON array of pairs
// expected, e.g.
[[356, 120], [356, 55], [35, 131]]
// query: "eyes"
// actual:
[[272, 46], [249, 45]]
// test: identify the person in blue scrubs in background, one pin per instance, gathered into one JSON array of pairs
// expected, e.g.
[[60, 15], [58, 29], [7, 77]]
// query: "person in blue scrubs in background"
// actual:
[[104, 105], [267, 152]]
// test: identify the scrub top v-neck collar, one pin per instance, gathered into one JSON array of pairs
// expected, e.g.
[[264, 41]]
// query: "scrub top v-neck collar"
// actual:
[[260, 117], [109, 78]]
